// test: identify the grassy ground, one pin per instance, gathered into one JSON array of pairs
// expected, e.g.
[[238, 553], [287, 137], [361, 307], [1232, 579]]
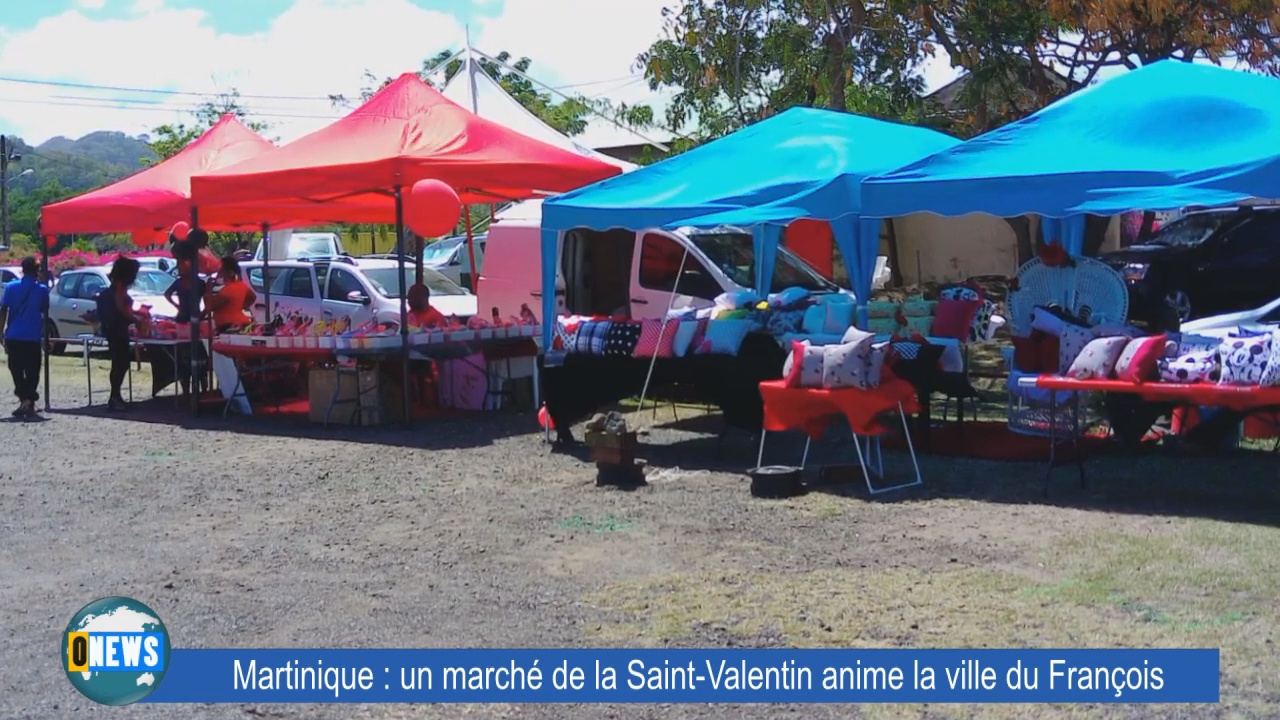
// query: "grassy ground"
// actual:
[[474, 534]]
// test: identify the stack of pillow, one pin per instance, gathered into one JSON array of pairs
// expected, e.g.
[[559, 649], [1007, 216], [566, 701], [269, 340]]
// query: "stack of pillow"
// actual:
[[855, 362], [1243, 358], [1057, 338]]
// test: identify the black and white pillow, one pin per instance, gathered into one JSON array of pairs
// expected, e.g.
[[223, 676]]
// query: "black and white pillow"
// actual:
[[1244, 359], [621, 339]]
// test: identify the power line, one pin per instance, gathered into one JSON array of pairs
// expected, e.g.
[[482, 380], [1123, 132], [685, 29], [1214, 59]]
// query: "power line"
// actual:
[[107, 104], [155, 91]]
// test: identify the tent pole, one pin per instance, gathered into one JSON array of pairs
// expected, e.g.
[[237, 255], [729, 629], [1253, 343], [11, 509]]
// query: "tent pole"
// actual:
[[193, 302], [417, 261], [404, 309], [471, 254], [44, 268], [266, 282]]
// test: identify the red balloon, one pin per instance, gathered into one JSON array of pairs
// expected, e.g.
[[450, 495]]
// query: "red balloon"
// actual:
[[544, 419], [432, 208], [148, 238], [181, 230], [50, 241], [208, 263]]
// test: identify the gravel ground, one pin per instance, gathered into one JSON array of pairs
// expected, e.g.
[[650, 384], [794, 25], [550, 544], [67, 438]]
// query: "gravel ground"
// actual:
[[469, 532]]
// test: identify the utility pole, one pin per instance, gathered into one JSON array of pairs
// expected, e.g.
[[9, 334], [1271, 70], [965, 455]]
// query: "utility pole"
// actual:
[[4, 191]]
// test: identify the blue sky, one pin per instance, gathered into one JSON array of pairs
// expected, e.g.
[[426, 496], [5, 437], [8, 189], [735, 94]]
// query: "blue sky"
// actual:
[[290, 54]]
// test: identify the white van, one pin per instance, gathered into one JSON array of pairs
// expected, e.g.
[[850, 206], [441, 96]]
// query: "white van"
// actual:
[[623, 272]]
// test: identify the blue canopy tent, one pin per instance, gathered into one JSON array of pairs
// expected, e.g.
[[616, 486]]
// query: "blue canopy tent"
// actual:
[[1162, 137], [803, 163]]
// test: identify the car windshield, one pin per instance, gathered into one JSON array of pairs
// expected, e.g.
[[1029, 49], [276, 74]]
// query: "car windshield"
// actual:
[[734, 254], [152, 282], [386, 284], [439, 251], [1190, 230]]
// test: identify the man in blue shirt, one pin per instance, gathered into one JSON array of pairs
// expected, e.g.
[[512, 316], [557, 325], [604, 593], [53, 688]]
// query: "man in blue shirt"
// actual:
[[22, 310]]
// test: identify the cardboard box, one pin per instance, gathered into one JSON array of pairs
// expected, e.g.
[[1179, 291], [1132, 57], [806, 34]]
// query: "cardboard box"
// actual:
[[376, 386]]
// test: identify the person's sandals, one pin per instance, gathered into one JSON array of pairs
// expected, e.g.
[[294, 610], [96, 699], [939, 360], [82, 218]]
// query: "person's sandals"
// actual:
[[22, 411], [117, 405]]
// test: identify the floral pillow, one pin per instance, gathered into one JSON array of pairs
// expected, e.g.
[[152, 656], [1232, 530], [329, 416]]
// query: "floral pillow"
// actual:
[[1071, 342], [1098, 359], [1244, 360], [846, 365], [1199, 366], [811, 366], [1271, 375]]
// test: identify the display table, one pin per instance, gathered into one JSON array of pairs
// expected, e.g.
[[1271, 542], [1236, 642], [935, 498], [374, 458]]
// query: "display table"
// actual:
[[168, 348], [1239, 398], [812, 410], [233, 363]]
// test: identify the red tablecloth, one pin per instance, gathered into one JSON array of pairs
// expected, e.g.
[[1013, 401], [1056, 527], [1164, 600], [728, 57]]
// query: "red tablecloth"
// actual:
[[249, 352], [1241, 398], [811, 409]]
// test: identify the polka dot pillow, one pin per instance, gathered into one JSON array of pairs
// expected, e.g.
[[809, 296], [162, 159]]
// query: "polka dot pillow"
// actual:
[[1198, 366], [849, 363], [1072, 340], [1271, 375], [1244, 359]]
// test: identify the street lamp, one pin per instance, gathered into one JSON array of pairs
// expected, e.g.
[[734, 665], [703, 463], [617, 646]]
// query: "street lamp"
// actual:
[[7, 155], [22, 174]]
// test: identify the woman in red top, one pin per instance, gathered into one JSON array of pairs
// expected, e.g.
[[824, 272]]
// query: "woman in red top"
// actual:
[[421, 314], [230, 305]]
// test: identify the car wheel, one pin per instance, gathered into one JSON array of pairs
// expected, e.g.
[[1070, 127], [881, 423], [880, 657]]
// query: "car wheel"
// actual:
[[1180, 302], [55, 348]]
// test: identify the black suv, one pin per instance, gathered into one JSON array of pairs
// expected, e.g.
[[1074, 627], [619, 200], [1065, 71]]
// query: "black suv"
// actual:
[[1205, 263]]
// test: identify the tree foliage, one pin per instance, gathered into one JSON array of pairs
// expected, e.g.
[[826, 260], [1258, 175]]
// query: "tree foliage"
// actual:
[[567, 115], [737, 61], [169, 139]]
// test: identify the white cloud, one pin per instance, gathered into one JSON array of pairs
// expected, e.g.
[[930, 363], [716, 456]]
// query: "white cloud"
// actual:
[[92, 4], [142, 7]]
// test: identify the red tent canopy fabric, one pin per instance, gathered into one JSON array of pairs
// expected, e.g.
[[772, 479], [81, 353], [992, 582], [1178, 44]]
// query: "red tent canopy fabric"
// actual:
[[159, 196], [405, 133]]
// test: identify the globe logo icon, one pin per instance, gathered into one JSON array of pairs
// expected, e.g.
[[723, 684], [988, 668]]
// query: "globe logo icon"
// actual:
[[115, 651]]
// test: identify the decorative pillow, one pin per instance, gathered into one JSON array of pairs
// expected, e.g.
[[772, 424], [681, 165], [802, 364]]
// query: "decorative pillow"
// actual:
[[978, 330], [882, 326], [1050, 352], [657, 339], [879, 309], [838, 317], [854, 335], [1271, 375], [591, 336], [875, 365], [915, 362], [920, 325], [918, 307], [1026, 354], [795, 361], [1189, 343], [726, 336], [1244, 332], [1053, 319], [955, 318], [811, 364], [784, 322], [566, 334], [1193, 367], [1244, 360], [960, 292], [788, 297], [1071, 342], [815, 318], [621, 339], [684, 335], [1137, 364], [846, 365], [1098, 359]]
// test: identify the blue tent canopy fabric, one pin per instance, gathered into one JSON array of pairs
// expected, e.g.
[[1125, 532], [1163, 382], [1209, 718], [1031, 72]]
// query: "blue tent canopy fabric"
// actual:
[[802, 163], [1161, 137]]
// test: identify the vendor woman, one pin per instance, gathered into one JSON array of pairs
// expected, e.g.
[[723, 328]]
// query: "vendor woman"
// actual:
[[421, 314], [230, 305]]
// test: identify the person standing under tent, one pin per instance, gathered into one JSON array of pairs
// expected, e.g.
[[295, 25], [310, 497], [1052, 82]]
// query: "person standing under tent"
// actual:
[[230, 305], [187, 294], [421, 314], [22, 309], [115, 315]]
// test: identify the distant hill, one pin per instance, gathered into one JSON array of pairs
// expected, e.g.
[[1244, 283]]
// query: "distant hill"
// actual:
[[94, 160]]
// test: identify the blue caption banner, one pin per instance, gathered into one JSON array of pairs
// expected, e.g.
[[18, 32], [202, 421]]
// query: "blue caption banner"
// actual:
[[690, 676]]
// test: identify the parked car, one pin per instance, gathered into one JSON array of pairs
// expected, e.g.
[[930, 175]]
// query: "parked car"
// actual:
[[163, 264], [360, 289], [1260, 319], [1205, 263], [76, 293], [639, 274], [12, 272], [289, 245], [450, 258]]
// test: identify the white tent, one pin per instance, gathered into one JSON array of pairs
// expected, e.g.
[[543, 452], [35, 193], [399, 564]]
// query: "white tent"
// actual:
[[473, 89]]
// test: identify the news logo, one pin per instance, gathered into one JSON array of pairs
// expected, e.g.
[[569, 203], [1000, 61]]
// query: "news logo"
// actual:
[[115, 651]]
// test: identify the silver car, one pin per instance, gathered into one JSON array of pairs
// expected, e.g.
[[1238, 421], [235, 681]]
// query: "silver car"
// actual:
[[76, 293]]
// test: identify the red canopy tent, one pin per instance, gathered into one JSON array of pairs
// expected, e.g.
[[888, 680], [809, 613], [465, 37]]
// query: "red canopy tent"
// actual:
[[405, 133], [159, 196]]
